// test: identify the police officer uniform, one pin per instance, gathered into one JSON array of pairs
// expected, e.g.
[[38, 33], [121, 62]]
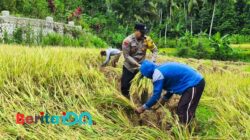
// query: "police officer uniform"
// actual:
[[134, 52]]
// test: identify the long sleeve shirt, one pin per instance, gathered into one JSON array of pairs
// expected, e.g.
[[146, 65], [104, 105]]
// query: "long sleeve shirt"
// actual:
[[134, 51], [172, 77], [110, 52]]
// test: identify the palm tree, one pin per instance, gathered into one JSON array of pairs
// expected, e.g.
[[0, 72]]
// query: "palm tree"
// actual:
[[214, 3], [160, 22], [185, 12], [212, 20], [191, 5], [170, 6], [108, 4], [177, 31]]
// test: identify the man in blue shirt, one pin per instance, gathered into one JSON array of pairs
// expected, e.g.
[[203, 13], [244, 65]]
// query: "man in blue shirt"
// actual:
[[174, 78]]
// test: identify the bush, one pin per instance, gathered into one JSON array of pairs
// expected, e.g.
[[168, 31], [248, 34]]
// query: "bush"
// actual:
[[114, 37], [202, 47], [69, 41], [223, 51], [52, 39], [239, 39], [196, 47], [185, 45], [170, 43], [6, 38], [198, 51], [202, 51], [216, 48], [38, 38], [75, 32], [18, 35], [59, 40], [184, 52], [245, 31], [29, 35], [97, 42], [85, 40], [23, 35]]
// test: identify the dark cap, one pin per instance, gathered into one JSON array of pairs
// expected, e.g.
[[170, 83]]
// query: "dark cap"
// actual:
[[141, 27]]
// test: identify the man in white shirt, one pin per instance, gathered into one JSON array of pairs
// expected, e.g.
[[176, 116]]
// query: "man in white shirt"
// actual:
[[111, 52]]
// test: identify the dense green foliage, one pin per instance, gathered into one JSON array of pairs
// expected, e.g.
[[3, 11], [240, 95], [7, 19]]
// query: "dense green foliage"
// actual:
[[76, 38], [168, 18], [182, 24], [217, 47], [238, 39]]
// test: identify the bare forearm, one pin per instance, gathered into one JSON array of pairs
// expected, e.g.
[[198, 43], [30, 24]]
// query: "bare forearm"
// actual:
[[132, 61]]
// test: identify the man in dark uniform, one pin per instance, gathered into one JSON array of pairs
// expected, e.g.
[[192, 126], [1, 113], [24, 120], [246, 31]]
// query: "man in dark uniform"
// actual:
[[134, 49]]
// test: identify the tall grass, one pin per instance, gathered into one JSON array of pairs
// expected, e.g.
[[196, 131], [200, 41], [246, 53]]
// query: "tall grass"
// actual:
[[59, 79]]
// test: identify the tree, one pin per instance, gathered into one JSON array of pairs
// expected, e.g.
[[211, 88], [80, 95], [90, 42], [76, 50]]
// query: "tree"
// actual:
[[185, 12], [170, 7], [242, 9], [192, 4], [212, 20]]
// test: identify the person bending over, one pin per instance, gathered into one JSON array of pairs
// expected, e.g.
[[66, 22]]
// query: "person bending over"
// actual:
[[175, 78], [111, 52]]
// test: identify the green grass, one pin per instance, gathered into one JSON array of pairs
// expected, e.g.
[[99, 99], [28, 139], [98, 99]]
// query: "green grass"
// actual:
[[168, 51], [247, 68], [34, 79], [205, 115], [243, 49]]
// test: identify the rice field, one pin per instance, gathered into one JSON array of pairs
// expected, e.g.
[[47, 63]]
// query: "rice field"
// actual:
[[243, 49], [53, 80], [241, 46]]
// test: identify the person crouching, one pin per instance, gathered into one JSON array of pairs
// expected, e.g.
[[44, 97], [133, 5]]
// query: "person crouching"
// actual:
[[174, 78], [111, 52]]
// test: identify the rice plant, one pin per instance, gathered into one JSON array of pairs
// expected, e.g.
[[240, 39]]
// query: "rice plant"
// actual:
[[57, 79]]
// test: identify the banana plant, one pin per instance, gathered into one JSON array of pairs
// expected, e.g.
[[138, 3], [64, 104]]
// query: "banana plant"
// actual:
[[221, 45]]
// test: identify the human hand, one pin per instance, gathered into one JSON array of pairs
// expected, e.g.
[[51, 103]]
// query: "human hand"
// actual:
[[138, 65], [140, 110]]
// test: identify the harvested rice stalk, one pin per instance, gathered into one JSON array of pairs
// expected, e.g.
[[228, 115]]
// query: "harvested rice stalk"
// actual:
[[125, 101], [139, 86]]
